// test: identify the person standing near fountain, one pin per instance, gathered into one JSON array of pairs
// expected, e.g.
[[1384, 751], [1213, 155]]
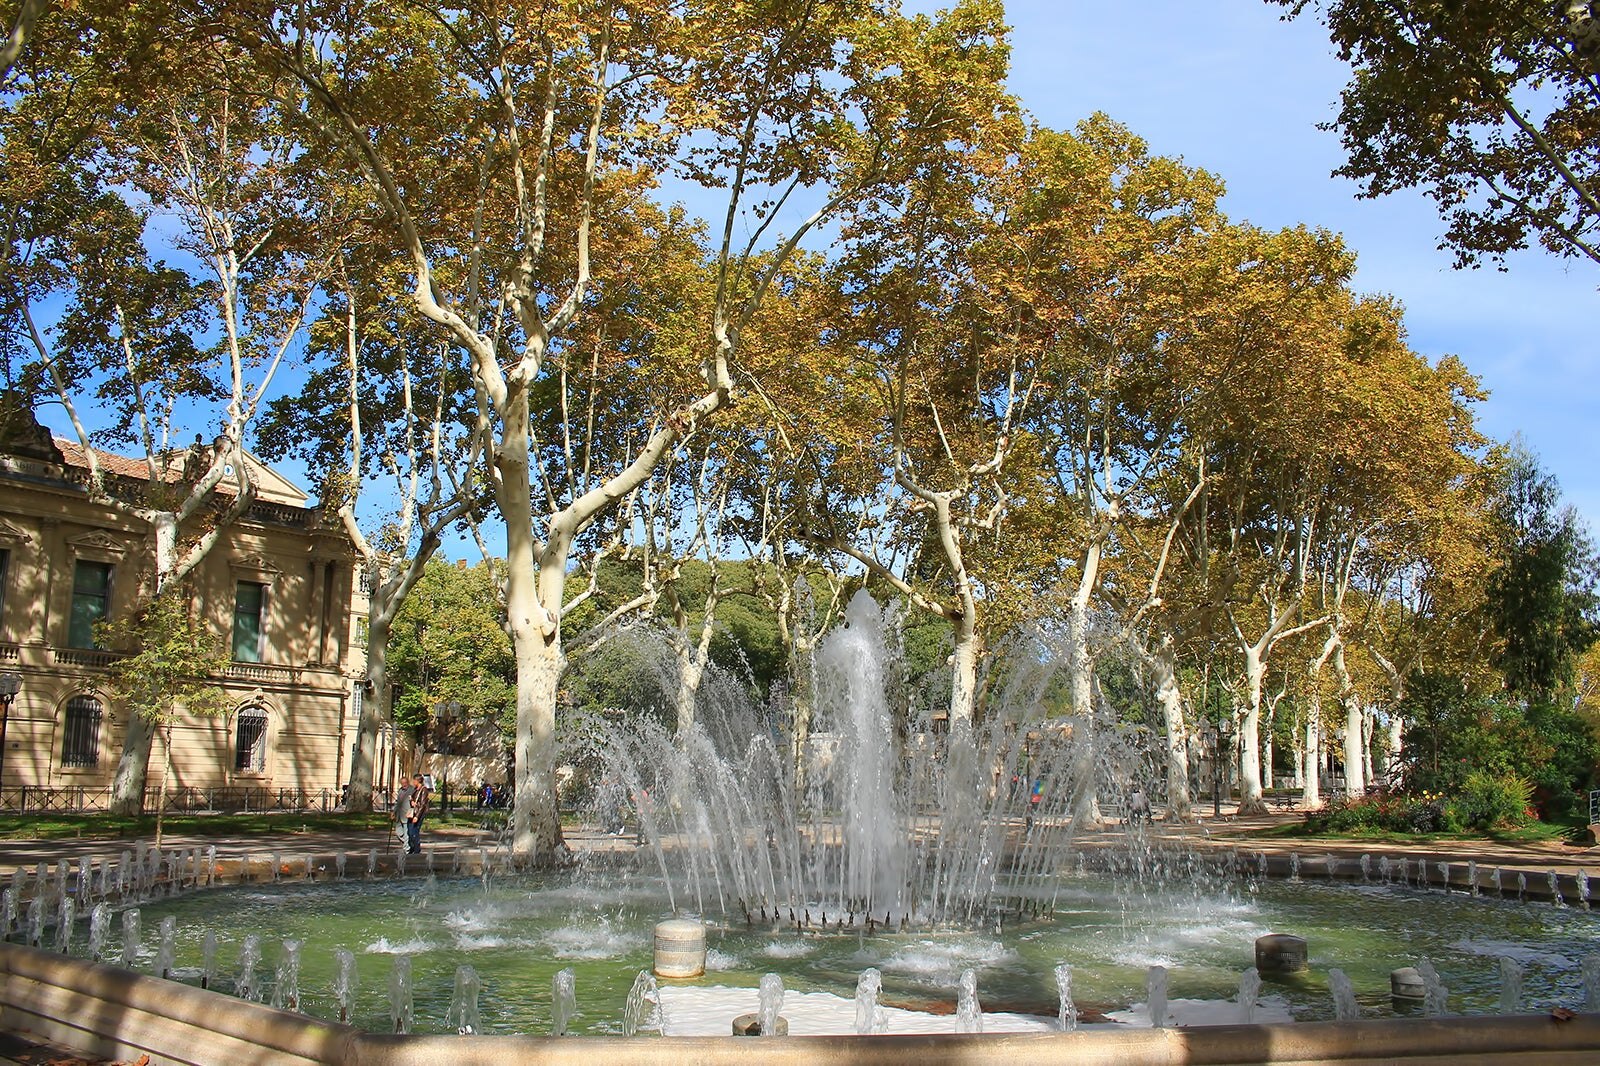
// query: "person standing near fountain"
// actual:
[[402, 814], [416, 809]]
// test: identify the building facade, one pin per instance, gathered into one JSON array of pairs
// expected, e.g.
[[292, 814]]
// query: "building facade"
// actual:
[[279, 588]]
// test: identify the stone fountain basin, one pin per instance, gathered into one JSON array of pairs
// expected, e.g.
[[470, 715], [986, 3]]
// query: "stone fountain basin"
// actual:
[[520, 930]]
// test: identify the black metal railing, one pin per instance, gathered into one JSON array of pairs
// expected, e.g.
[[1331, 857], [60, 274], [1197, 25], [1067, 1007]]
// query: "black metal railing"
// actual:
[[31, 799]]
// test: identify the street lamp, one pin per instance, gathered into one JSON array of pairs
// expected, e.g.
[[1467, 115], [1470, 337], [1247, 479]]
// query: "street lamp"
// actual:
[[10, 685], [1216, 737]]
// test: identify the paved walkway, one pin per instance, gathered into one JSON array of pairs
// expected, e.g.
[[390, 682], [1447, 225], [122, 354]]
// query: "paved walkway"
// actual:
[[1229, 831]]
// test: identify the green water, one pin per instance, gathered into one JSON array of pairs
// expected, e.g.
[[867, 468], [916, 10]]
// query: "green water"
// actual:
[[520, 930]]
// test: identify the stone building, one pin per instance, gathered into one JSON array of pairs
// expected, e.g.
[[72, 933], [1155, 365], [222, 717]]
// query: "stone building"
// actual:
[[278, 588]]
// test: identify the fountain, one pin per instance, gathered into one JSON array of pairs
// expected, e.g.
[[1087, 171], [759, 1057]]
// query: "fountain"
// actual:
[[642, 1005], [771, 1004], [563, 1001], [1510, 985], [464, 1013], [869, 1018], [246, 985], [166, 946], [1345, 1008], [130, 937], [1249, 993], [286, 986], [64, 920], [345, 983], [400, 995], [945, 886], [879, 827], [1067, 1015], [1435, 997], [208, 962]]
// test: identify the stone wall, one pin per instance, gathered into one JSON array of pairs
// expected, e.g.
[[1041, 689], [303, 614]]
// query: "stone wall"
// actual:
[[107, 1012]]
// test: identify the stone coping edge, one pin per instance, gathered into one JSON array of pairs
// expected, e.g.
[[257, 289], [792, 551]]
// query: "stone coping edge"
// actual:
[[104, 1011]]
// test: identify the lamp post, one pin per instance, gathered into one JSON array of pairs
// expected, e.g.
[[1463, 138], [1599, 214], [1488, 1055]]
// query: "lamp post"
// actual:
[[1216, 737], [10, 685], [446, 712]]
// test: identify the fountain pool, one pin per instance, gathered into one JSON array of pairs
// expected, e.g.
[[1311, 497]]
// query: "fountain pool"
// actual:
[[517, 932]]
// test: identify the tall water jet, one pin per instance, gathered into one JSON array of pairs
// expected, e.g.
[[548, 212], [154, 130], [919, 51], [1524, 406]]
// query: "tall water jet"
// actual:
[[286, 987], [770, 1003], [208, 961], [1366, 867], [64, 922], [35, 935], [642, 1005], [1294, 866], [868, 818], [1067, 1012], [1345, 1008], [248, 985], [1510, 985], [869, 1019], [849, 667], [1435, 996], [130, 937], [166, 946], [563, 1001], [969, 1015], [345, 982], [1554, 880], [1155, 984], [1249, 994], [99, 931], [400, 1001], [464, 1014]]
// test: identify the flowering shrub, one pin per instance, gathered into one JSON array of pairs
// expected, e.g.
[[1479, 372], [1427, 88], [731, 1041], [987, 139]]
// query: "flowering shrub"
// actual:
[[1484, 801]]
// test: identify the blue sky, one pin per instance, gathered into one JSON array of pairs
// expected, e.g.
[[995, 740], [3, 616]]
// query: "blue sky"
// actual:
[[1232, 88]]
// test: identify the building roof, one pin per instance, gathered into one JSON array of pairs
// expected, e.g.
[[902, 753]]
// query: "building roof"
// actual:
[[270, 485]]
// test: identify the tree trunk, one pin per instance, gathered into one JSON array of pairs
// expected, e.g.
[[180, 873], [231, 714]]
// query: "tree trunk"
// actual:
[[1367, 729], [1081, 663], [1396, 744], [1313, 757], [133, 765], [690, 673], [964, 672], [1170, 697], [1350, 703], [374, 710], [1251, 800], [535, 628]]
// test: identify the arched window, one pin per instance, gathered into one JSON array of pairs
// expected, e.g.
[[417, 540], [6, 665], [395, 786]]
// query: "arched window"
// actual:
[[250, 744], [80, 745]]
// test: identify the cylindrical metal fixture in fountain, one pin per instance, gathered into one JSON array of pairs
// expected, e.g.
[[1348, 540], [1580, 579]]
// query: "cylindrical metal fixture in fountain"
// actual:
[[1406, 983], [1281, 953], [750, 1025], [680, 948]]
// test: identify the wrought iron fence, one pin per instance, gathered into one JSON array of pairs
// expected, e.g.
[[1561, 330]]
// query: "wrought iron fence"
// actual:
[[31, 799], [1594, 807]]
